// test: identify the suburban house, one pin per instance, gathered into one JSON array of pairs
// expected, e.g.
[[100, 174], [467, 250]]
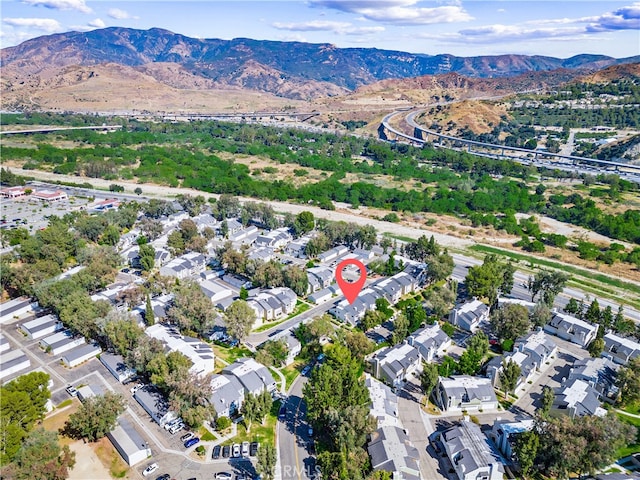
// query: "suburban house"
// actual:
[[227, 394], [333, 254], [205, 220], [128, 442], [159, 305], [394, 364], [244, 236], [86, 392], [599, 373], [262, 254], [253, 376], [354, 313], [390, 450], [41, 327], [200, 353], [115, 364], [571, 329], [150, 398], [620, 349], [393, 288], [273, 303], [469, 315], [185, 266], [16, 308], [215, 291], [60, 342], [430, 341], [463, 392], [4, 344], [384, 403], [323, 295], [319, 278], [576, 398], [502, 301], [294, 347], [504, 433], [233, 225], [275, 239], [531, 353], [471, 453], [81, 354], [297, 247], [12, 362]]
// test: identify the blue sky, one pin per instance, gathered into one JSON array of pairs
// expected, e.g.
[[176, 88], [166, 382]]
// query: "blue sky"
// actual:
[[458, 27]]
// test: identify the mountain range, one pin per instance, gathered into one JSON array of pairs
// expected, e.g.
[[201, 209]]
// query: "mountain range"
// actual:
[[291, 70]]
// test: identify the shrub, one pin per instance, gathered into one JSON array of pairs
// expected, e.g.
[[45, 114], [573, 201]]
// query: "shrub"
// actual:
[[223, 423]]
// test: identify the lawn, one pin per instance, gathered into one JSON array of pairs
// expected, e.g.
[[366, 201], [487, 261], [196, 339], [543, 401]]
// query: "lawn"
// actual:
[[300, 307], [230, 354], [264, 433], [634, 447], [292, 371]]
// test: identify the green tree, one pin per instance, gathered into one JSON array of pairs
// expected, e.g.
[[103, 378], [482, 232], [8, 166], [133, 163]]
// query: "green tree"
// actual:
[[192, 309], [540, 315], [96, 417], [22, 403], [593, 312], [147, 255], [510, 321], [573, 308], [273, 352], [546, 401], [448, 366], [596, 347], [548, 284], [296, 279], [400, 328], [429, 378], [628, 382], [244, 293], [490, 279], [149, 317], [120, 332], [42, 458], [266, 464], [525, 447], [382, 306], [479, 344], [509, 375], [304, 222], [239, 318]]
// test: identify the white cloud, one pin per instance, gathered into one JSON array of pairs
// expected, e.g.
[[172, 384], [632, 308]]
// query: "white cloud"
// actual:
[[341, 28], [79, 5], [120, 14], [44, 24], [97, 23], [398, 12], [574, 29]]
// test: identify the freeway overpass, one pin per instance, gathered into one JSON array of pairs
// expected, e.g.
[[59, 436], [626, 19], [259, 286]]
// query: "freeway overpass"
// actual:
[[422, 135]]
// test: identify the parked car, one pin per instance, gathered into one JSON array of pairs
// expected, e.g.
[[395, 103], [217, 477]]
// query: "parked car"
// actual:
[[176, 428], [282, 412], [253, 448], [152, 467], [164, 476], [136, 387], [235, 450], [305, 370], [224, 476], [226, 451], [187, 436], [245, 449], [191, 442], [73, 391], [310, 431], [168, 425], [216, 452]]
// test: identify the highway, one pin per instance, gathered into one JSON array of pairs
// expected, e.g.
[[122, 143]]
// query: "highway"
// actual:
[[60, 129], [528, 157]]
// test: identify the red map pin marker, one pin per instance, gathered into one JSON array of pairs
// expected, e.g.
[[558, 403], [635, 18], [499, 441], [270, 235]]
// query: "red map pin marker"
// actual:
[[351, 290]]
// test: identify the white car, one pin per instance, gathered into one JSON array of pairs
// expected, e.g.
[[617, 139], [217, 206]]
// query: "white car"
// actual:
[[245, 449], [73, 391], [223, 476], [137, 387], [235, 450], [150, 469]]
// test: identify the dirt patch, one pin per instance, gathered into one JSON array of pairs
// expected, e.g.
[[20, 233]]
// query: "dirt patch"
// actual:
[[88, 464], [110, 458]]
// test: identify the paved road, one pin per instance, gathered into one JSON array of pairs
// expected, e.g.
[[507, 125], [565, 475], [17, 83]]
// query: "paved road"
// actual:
[[419, 429], [293, 438]]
